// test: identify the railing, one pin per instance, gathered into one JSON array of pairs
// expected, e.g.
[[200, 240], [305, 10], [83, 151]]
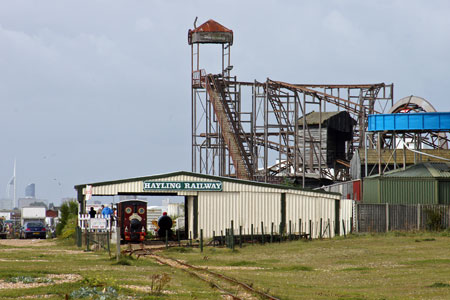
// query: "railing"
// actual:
[[199, 78], [99, 223]]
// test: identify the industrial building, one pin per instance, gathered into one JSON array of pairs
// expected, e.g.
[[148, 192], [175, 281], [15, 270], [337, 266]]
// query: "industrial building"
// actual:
[[212, 202], [424, 183]]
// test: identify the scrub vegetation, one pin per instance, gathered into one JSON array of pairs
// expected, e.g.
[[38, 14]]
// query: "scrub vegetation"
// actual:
[[382, 266]]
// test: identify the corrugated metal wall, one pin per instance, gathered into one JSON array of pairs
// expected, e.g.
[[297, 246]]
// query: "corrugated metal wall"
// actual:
[[408, 191], [444, 192], [245, 204], [401, 190], [371, 190]]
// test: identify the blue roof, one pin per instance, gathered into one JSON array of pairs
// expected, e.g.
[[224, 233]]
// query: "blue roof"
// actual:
[[432, 121]]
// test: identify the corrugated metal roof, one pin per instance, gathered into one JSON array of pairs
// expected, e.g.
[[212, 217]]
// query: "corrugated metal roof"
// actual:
[[423, 170], [313, 118], [138, 180]]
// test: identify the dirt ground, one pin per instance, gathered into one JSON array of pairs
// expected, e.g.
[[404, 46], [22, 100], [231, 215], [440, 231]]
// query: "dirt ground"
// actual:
[[26, 242]]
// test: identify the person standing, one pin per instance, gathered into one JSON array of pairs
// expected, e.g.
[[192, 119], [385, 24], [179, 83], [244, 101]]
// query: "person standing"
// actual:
[[92, 212]]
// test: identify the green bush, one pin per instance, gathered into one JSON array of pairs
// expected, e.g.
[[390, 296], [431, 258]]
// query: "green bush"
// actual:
[[69, 210]]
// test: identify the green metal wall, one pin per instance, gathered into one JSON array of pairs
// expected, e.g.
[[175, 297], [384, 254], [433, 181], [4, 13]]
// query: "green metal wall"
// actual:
[[403, 190], [409, 191], [371, 190], [444, 192]]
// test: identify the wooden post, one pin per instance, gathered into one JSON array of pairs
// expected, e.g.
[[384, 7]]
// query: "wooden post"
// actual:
[[310, 229], [280, 230], [262, 233], [201, 240], [240, 236], [329, 228], [299, 227], [214, 238], [351, 224], [251, 233], [107, 243], [190, 238], [271, 233], [290, 230], [343, 226], [117, 243], [320, 227], [232, 234], [221, 238], [178, 238]]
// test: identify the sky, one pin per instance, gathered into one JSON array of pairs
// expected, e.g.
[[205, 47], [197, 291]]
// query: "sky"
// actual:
[[100, 90]]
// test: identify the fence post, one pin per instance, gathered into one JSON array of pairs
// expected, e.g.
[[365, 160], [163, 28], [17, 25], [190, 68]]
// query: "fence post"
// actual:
[[299, 227], [240, 236], [262, 233], [329, 228], [201, 240], [251, 233], [290, 230], [343, 227], [271, 233], [320, 232], [418, 216], [79, 239], [387, 217], [310, 230], [117, 243], [214, 238]]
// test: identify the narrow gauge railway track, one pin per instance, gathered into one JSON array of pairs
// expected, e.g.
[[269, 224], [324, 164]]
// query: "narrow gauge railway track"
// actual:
[[230, 287]]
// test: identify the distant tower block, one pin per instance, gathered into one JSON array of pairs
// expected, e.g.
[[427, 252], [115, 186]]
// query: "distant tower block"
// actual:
[[30, 191]]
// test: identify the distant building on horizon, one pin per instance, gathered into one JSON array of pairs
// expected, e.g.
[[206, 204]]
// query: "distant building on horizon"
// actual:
[[6, 204], [27, 201], [30, 191]]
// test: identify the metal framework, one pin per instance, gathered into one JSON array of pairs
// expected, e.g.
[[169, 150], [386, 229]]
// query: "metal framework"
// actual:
[[250, 130], [390, 150]]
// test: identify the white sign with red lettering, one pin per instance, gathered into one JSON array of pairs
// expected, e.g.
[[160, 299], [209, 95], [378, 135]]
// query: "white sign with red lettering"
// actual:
[[97, 224]]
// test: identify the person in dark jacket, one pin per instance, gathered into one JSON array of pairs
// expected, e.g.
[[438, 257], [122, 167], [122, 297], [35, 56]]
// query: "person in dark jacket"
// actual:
[[92, 212]]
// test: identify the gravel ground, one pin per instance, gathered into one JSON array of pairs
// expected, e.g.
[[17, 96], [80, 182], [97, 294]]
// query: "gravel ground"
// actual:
[[26, 243]]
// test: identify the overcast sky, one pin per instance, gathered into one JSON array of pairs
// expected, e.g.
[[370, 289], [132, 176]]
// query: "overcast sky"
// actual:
[[99, 90]]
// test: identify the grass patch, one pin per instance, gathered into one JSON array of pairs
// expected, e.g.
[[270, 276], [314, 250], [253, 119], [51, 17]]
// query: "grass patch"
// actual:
[[180, 250], [439, 285], [356, 269], [434, 261], [241, 263], [296, 268]]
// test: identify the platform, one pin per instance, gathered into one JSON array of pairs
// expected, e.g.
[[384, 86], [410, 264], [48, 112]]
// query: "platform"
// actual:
[[433, 121]]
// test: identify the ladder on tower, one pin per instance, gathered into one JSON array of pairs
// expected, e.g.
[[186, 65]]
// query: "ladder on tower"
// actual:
[[232, 132]]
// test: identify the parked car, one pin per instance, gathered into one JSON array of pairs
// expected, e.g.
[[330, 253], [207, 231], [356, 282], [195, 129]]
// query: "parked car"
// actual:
[[33, 230]]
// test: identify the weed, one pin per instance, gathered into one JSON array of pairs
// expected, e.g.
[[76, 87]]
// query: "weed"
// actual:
[[159, 281]]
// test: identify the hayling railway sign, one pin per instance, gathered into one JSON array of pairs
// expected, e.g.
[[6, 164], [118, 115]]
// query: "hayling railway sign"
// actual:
[[215, 186]]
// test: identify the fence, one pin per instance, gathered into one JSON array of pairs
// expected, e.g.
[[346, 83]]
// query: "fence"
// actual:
[[99, 223], [405, 217]]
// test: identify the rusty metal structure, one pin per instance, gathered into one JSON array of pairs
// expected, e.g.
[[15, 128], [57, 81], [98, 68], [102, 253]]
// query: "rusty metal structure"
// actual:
[[251, 130], [390, 150]]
